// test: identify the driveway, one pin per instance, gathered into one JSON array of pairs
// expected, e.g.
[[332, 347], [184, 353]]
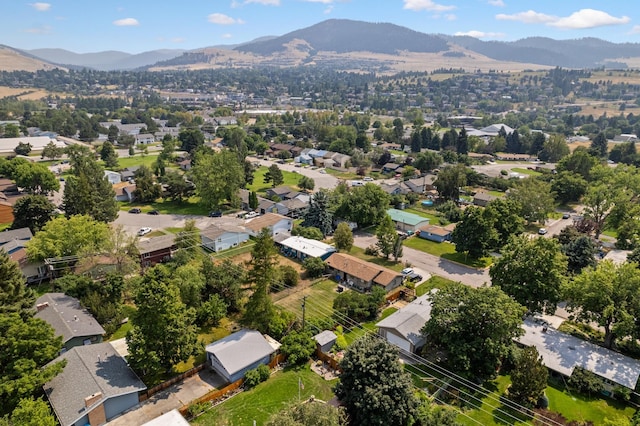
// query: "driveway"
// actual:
[[176, 396]]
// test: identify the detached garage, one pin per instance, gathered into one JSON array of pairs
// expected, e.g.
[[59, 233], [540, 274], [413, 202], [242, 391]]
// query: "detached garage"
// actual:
[[402, 328]]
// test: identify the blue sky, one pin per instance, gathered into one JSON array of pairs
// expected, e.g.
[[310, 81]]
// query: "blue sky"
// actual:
[[135, 26]]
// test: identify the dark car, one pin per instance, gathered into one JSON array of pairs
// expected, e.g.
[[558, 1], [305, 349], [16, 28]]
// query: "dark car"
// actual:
[[153, 212], [414, 278], [216, 213], [135, 211], [566, 216]]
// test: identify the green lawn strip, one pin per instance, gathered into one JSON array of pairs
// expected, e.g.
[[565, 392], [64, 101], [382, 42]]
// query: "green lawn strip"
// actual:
[[206, 335], [580, 407], [369, 326], [488, 410], [290, 179], [127, 312], [343, 175], [446, 251], [610, 233], [496, 193], [525, 171], [187, 207], [137, 160], [320, 295], [387, 263], [268, 398], [434, 282], [157, 233], [234, 251], [433, 219]]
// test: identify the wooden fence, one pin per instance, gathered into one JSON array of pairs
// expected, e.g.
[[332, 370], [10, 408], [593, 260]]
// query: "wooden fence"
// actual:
[[333, 363], [212, 396], [172, 381]]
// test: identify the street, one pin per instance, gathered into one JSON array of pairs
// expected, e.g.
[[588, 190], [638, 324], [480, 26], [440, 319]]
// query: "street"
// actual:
[[132, 222]]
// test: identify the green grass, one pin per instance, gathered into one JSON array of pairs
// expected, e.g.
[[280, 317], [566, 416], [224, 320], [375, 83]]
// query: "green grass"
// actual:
[[446, 251], [343, 175], [610, 233], [187, 207], [433, 219], [245, 247], [5, 226], [489, 410], [496, 193], [387, 263], [206, 335], [434, 282], [369, 326], [523, 171], [290, 179], [138, 160], [121, 332], [322, 293], [268, 398]]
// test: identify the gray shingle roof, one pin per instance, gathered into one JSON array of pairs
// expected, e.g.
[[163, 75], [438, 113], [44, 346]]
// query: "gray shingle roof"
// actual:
[[409, 320], [15, 234], [325, 337], [67, 317], [90, 369], [156, 243], [240, 349]]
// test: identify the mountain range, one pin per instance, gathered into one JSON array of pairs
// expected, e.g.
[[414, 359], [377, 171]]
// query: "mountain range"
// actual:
[[356, 45]]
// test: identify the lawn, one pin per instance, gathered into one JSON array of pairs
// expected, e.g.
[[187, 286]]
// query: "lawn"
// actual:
[[320, 297], [523, 171], [343, 175], [268, 398], [369, 326], [290, 179], [187, 207], [5, 226], [243, 248], [434, 282], [138, 160], [499, 194], [121, 332], [446, 251], [387, 263], [433, 219]]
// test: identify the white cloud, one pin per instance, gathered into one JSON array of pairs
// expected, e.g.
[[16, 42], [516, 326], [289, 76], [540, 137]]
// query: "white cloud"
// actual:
[[498, 3], [635, 29], [528, 17], [44, 29], [41, 7], [126, 22], [264, 2], [450, 17], [418, 5], [320, 1], [227, 35], [480, 34], [222, 19], [328, 9], [588, 18]]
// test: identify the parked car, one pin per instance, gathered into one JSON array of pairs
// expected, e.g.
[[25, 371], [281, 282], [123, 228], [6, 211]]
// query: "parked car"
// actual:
[[407, 271], [368, 179], [144, 231], [251, 215], [542, 231], [216, 213], [566, 216], [135, 211], [414, 278], [153, 212]]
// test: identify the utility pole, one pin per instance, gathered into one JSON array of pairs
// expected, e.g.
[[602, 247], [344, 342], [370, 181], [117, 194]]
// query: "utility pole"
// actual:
[[304, 303]]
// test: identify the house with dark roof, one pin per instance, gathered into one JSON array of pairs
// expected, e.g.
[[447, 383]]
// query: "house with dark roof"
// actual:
[[95, 386], [360, 274], [69, 319], [14, 243], [276, 223], [232, 356], [281, 192], [483, 198], [402, 328], [156, 249], [216, 238]]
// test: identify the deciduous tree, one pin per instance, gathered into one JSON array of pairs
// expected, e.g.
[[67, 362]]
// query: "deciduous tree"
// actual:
[[528, 378], [374, 387], [365, 205], [306, 183], [449, 181], [343, 237], [36, 178], [535, 199], [474, 234], [218, 177], [33, 212], [298, 346], [386, 234]]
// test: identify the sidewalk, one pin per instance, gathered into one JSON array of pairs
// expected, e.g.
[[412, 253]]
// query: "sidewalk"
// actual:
[[175, 397]]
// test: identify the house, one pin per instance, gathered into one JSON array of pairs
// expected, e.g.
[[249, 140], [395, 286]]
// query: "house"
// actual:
[[390, 167], [303, 159], [294, 207], [14, 243], [124, 191], [144, 139], [6, 212], [402, 328], [300, 248], [185, 164], [69, 319], [281, 192], [95, 386], [435, 233], [360, 274], [405, 221], [7, 145], [325, 340], [420, 185], [128, 173], [156, 249], [562, 353], [170, 418], [394, 188], [215, 238], [113, 177], [276, 223], [483, 198], [232, 356], [494, 129], [340, 161]]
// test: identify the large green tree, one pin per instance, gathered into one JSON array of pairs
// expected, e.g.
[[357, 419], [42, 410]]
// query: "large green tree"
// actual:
[[190, 139], [535, 199], [298, 346], [109, 155], [217, 176], [274, 175], [474, 234], [505, 215], [52, 151], [15, 296], [36, 178], [607, 295], [27, 345], [32, 412], [528, 378], [365, 205], [532, 271], [162, 333], [88, 191], [147, 190], [77, 235], [598, 202], [599, 145], [450, 180], [318, 214], [374, 387], [476, 326], [386, 235], [33, 212], [568, 186], [343, 237]]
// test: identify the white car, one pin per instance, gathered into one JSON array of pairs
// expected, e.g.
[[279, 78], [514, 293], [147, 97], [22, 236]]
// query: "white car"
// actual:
[[368, 179], [144, 231], [407, 271], [251, 215], [542, 231]]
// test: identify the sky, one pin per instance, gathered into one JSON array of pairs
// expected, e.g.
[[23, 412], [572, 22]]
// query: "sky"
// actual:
[[136, 26]]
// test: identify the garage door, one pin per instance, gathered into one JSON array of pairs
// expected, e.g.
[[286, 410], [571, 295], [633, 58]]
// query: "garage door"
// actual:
[[399, 341]]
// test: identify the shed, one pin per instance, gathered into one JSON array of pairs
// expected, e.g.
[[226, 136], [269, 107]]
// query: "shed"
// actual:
[[406, 221], [325, 340], [232, 356]]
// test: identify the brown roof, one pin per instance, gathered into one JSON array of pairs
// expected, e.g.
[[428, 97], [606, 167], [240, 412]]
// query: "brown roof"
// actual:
[[436, 230], [361, 269], [156, 243], [119, 188], [264, 221]]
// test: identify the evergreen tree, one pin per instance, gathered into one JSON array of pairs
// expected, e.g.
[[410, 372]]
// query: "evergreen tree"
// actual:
[[462, 142], [15, 296], [109, 155], [318, 214], [416, 141], [528, 378], [253, 200], [274, 175], [599, 146], [426, 135], [147, 190]]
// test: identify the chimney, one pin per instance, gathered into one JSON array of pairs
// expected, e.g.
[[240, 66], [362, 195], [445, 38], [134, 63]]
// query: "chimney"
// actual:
[[96, 416], [42, 306]]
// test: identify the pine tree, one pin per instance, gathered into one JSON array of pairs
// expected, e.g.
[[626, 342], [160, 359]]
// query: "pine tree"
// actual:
[[318, 214]]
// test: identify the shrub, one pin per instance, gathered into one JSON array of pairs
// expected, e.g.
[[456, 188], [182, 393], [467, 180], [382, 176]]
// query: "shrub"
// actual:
[[372, 250], [256, 376], [290, 276], [585, 381], [314, 266], [622, 393]]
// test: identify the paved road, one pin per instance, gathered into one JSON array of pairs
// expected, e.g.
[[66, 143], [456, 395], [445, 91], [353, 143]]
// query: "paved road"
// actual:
[[133, 222], [434, 265], [493, 170]]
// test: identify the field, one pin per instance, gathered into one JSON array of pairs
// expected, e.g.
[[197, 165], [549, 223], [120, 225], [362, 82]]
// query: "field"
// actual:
[[321, 296], [290, 179], [268, 398], [446, 251]]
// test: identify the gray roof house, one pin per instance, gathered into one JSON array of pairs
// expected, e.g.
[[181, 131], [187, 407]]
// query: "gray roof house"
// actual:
[[216, 238], [232, 356], [402, 328], [95, 386], [23, 234], [276, 223], [69, 320]]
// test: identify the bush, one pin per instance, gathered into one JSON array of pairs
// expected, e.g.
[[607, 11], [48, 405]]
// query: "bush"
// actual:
[[622, 393], [503, 172], [451, 211], [585, 381], [290, 276], [256, 376], [314, 266], [372, 250], [310, 232]]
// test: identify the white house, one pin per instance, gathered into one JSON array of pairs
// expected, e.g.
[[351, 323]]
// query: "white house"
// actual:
[[113, 177], [402, 328], [276, 223], [216, 238]]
